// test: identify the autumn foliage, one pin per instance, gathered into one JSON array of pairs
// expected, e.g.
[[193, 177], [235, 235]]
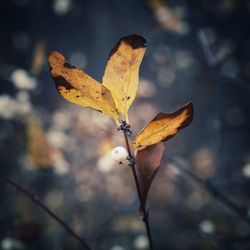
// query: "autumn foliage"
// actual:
[[114, 96]]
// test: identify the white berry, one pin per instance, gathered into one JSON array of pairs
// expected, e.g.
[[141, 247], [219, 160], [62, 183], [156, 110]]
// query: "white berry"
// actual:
[[119, 154]]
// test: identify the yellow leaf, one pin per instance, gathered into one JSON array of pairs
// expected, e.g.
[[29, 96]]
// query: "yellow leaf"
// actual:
[[78, 87], [164, 126], [121, 75]]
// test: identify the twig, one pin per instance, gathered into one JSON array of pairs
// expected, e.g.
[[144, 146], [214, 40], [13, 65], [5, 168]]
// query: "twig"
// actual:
[[210, 188], [37, 201], [132, 163]]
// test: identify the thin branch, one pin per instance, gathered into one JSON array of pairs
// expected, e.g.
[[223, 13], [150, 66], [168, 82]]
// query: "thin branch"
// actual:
[[37, 201], [132, 164], [218, 195], [143, 211]]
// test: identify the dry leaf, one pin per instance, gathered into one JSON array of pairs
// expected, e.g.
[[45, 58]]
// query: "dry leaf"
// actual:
[[148, 163], [38, 148], [38, 57], [121, 75], [78, 87], [164, 126]]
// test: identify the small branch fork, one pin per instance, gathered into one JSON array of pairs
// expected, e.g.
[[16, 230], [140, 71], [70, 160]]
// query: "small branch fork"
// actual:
[[125, 128], [37, 201]]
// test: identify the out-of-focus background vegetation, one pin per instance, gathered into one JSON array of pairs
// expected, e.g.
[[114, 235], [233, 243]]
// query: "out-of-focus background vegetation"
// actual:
[[197, 50]]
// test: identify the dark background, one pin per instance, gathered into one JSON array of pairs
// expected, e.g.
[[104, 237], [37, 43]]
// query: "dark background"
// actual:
[[198, 51]]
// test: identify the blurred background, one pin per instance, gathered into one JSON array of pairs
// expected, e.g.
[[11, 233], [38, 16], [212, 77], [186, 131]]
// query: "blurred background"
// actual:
[[197, 50]]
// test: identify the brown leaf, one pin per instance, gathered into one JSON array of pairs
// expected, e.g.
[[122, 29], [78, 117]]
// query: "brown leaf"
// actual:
[[148, 163], [121, 75], [164, 126], [78, 87], [38, 148]]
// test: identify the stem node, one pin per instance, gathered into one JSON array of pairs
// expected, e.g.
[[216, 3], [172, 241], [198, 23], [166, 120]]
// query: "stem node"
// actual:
[[125, 128]]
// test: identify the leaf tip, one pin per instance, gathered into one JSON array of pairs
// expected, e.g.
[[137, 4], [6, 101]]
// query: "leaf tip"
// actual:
[[55, 58], [190, 112], [135, 41]]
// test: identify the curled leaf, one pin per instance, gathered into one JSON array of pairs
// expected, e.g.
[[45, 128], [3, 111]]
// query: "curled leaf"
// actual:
[[78, 87], [164, 126], [121, 75], [148, 163]]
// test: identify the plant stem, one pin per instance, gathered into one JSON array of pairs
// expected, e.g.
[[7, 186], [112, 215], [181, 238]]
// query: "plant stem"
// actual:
[[143, 211], [37, 201]]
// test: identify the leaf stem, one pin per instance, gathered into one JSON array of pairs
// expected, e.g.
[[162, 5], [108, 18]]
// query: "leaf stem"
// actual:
[[37, 201], [143, 211]]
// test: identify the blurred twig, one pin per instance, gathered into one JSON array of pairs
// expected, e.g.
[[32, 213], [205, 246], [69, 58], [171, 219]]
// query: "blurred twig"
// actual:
[[223, 237], [200, 40], [210, 188], [37, 201]]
